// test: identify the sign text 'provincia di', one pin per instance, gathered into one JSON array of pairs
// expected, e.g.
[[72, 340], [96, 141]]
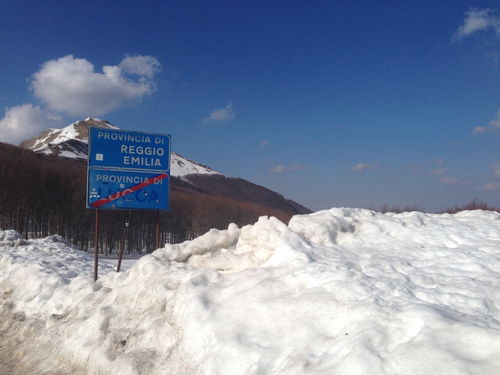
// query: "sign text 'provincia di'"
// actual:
[[128, 170]]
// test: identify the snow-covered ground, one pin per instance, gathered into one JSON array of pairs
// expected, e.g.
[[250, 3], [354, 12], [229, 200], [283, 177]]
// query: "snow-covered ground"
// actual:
[[343, 291]]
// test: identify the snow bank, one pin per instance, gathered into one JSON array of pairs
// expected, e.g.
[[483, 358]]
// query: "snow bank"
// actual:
[[343, 291]]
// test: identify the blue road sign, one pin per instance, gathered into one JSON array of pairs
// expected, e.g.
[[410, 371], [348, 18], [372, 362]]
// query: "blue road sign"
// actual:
[[119, 189], [128, 170], [110, 148]]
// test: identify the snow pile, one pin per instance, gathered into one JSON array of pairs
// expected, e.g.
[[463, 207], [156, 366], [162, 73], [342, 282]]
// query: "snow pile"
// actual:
[[11, 238], [343, 291]]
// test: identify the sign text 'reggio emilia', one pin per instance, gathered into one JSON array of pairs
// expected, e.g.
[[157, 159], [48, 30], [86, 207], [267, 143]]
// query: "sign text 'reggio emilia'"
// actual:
[[128, 170]]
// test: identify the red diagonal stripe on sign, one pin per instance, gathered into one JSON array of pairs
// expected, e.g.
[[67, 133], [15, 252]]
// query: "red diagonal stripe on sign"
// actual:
[[120, 194]]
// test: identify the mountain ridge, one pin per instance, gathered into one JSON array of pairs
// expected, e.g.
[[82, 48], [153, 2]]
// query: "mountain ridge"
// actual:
[[71, 142]]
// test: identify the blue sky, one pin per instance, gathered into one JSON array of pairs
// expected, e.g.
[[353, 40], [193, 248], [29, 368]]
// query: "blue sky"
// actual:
[[331, 103]]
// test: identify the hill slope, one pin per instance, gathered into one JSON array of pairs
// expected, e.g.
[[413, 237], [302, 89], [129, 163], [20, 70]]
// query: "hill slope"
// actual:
[[46, 195]]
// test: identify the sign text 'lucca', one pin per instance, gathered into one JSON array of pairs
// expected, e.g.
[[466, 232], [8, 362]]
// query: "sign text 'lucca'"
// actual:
[[128, 170]]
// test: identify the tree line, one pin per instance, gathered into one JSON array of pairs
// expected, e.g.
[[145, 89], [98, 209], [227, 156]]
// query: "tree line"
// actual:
[[44, 195]]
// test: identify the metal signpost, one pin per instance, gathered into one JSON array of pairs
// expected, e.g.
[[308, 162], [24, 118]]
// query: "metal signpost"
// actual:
[[127, 170]]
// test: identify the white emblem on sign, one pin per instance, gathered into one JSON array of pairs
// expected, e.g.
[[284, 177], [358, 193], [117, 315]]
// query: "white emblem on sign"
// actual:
[[99, 157], [94, 194]]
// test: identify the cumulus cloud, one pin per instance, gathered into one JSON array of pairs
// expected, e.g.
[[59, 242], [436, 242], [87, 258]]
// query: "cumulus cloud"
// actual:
[[361, 167], [492, 127], [287, 168], [72, 85], [146, 66], [477, 20], [221, 114], [26, 121]]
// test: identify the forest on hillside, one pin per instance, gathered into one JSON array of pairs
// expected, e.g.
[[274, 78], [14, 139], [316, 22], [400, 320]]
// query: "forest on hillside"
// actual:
[[44, 195]]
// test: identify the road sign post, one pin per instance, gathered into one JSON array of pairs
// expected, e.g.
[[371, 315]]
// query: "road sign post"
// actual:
[[122, 243], [157, 237], [96, 244], [128, 170]]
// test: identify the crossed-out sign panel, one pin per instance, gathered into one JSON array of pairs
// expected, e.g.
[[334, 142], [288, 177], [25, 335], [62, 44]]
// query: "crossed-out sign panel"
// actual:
[[128, 170]]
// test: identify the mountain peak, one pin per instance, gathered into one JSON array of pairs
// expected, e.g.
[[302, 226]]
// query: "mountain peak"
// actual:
[[72, 142]]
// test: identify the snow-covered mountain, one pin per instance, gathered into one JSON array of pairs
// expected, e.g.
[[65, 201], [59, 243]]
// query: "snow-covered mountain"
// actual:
[[72, 142], [69, 142]]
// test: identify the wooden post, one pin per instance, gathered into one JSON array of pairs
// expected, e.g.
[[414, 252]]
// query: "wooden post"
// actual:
[[96, 244], [122, 244], [157, 230]]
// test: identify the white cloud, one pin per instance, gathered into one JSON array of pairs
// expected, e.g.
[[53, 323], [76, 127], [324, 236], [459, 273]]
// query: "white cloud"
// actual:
[[480, 129], [287, 168], [71, 85], [492, 127], [146, 66], [438, 172], [26, 121], [432, 167], [449, 180], [496, 169], [496, 122], [360, 167], [477, 20], [491, 186], [264, 143], [221, 114]]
